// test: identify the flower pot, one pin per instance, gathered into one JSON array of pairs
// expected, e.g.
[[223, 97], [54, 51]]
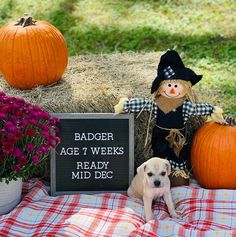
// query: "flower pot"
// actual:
[[10, 195]]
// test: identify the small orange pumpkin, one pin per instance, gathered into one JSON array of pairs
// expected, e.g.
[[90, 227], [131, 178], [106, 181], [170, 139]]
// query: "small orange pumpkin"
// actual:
[[213, 155], [32, 53]]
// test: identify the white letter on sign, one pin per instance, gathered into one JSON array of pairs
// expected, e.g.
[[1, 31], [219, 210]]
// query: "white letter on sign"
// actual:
[[79, 165], [77, 136], [87, 174], [63, 151], [75, 176]]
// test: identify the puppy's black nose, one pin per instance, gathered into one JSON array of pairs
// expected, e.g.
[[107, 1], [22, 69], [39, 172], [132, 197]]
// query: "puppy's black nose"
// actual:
[[157, 183]]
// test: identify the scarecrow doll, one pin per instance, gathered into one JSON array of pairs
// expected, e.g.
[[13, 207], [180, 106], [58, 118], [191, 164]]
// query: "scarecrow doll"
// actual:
[[172, 104]]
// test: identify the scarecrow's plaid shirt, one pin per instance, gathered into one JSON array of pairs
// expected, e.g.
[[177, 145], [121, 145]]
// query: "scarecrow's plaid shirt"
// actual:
[[189, 108], [205, 213]]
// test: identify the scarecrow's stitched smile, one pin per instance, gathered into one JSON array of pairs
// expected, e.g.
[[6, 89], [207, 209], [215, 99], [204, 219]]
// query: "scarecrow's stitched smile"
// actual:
[[170, 96]]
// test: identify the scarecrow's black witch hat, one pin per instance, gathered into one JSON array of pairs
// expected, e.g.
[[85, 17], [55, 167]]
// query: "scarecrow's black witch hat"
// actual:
[[170, 67]]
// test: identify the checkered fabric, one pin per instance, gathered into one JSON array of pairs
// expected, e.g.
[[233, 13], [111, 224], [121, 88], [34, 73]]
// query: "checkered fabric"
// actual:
[[205, 213], [140, 104], [168, 72], [175, 165], [189, 109]]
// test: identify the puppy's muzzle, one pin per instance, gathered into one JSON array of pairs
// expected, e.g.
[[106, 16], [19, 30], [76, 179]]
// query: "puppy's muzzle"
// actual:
[[157, 183]]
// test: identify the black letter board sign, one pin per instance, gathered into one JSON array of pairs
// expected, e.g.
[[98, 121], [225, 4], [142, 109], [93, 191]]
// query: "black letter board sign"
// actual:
[[96, 153]]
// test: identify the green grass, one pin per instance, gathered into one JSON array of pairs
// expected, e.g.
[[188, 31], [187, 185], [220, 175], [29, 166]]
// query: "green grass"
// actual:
[[204, 30]]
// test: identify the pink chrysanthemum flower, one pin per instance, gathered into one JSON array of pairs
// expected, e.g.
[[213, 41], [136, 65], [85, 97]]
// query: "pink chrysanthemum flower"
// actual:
[[27, 133]]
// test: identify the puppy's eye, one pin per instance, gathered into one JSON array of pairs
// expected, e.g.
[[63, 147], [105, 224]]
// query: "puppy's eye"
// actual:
[[163, 173], [150, 174]]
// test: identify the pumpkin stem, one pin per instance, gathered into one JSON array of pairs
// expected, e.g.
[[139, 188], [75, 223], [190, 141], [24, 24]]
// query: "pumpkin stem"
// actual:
[[26, 20]]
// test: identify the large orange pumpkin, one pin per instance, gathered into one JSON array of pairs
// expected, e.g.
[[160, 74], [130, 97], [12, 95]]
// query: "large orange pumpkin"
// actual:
[[32, 53], [213, 156]]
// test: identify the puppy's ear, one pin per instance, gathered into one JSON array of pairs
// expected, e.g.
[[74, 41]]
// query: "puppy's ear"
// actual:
[[168, 167], [141, 168]]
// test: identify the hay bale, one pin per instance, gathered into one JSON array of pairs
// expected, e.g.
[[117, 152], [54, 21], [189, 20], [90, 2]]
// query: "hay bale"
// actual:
[[95, 84]]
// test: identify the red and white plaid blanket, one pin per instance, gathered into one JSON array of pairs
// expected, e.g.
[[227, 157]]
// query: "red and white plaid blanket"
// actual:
[[205, 213]]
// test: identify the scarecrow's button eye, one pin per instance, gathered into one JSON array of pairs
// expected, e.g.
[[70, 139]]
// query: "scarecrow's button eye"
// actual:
[[169, 85], [176, 86]]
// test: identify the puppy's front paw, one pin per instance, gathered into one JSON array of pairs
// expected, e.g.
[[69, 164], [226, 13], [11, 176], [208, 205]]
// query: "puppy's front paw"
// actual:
[[175, 215], [149, 218]]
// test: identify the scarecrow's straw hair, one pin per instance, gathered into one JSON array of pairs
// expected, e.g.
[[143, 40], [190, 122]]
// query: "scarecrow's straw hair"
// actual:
[[190, 95]]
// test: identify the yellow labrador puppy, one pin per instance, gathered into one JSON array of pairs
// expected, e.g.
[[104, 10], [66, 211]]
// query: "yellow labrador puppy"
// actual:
[[151, 182]]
